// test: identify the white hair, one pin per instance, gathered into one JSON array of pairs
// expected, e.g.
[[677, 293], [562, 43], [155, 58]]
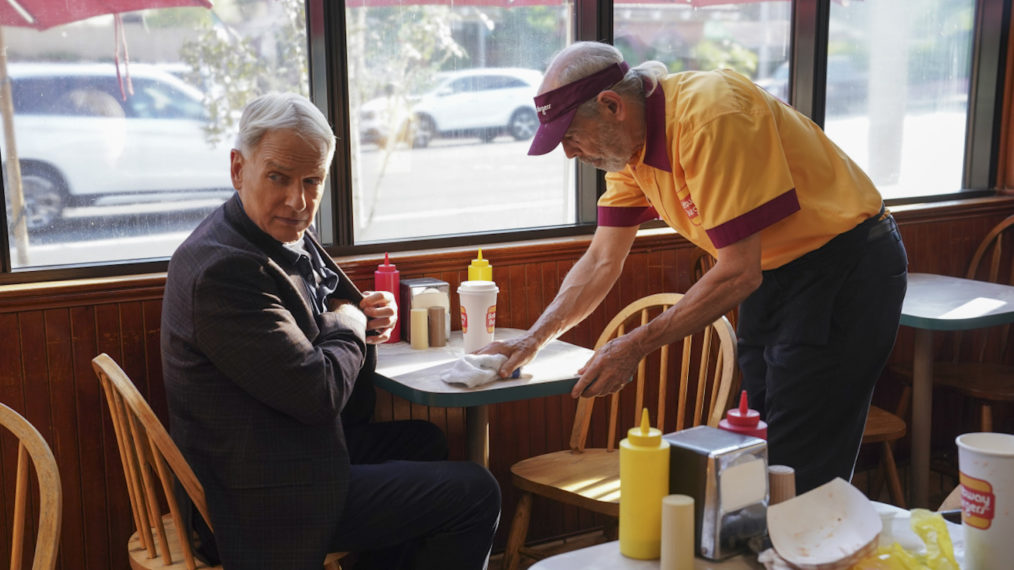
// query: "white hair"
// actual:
[[277, 111]]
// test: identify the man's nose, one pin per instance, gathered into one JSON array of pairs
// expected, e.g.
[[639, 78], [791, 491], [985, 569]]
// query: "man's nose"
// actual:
[[569, 149], [294, 198]]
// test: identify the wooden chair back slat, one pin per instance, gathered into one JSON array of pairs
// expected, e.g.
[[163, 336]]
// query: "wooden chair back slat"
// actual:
[[705, 374], [681, 403], [138, 507], [20, 498], [663, 368], [152, 465], [34, 455]]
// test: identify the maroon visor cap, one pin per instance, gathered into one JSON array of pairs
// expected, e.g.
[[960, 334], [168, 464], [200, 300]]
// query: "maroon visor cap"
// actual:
[[556, 108]]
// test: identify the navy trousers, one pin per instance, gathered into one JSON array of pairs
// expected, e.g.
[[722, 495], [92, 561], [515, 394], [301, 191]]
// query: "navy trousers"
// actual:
[[406, 508], [814, 339]]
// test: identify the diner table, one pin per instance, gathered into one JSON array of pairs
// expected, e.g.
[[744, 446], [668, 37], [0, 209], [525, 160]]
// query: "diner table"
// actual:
[[942, 303], [606, 556], [414, 374]]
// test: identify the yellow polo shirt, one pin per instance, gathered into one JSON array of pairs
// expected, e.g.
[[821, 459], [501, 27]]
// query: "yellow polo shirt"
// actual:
[[723, 160]]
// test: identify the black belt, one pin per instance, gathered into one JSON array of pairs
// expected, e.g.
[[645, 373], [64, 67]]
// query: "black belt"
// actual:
[[883, 224]]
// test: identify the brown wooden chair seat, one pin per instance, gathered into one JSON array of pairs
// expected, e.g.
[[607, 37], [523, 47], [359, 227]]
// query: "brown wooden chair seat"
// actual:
[[152, 465], [701, 371]]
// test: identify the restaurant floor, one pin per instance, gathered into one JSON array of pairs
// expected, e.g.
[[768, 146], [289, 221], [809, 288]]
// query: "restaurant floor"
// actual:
[[943, 478]]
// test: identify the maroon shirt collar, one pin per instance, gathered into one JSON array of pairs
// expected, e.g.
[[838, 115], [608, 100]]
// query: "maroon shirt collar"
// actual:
[[656, 150]]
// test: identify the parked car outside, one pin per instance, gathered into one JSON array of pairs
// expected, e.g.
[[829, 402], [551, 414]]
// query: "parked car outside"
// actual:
[[80, 141], [482, 102], [847, 86]]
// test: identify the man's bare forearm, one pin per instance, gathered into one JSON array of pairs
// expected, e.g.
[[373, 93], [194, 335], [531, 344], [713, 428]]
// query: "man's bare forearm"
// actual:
[[586, 284]]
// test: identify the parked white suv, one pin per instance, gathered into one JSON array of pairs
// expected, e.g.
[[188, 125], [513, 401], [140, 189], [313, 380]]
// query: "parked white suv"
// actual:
[[81, 143], [482, 102]]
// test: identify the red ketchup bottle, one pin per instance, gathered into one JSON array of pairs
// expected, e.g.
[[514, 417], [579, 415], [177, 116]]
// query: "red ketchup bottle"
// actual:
[[744, 420], [385, 278]]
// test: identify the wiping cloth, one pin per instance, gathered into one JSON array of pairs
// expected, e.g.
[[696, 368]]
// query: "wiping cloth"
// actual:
[[474, 369]]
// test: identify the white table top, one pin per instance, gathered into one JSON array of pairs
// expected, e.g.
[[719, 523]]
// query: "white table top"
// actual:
[[945, 303], [415, 374], [607, 556]]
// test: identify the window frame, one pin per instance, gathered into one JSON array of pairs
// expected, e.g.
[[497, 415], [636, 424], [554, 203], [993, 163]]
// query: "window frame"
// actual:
[[593, 20]]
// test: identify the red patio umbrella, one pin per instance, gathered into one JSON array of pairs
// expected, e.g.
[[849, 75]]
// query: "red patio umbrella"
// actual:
[[43, 14]]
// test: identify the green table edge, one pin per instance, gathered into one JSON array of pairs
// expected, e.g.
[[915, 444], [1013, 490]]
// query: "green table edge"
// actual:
[[476, 398]]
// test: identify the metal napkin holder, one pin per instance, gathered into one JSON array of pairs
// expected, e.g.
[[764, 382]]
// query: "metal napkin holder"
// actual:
[[726, 474]]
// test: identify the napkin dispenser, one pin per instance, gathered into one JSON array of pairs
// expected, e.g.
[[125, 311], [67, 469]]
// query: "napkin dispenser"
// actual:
[[727, 475], [423, 293]]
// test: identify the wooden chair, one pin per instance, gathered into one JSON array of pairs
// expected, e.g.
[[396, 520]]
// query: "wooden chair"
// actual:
[[977, 369], [33, 450], [152, 465], [885, 428], [702, 376]]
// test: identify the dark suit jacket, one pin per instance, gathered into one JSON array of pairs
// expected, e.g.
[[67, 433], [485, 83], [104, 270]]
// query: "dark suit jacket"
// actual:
[[257, 384]]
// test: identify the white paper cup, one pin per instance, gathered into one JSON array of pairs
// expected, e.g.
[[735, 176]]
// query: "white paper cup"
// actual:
[[986, 465], [478, 313]]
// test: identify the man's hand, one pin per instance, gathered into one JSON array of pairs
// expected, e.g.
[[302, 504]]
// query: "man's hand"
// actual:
[[519, 351], [381, 313], [609, 369]]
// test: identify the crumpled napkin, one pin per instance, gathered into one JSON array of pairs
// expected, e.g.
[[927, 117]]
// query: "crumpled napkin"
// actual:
[[474, 369]]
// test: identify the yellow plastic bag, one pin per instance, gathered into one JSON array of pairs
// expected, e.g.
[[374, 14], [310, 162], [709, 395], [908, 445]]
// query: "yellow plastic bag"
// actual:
[[939, 554]]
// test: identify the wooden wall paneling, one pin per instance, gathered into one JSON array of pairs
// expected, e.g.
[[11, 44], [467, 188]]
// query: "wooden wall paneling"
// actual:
[[120, 521], [35, 402], [65, 437], [149, 345], [10, 394], [94, 482]]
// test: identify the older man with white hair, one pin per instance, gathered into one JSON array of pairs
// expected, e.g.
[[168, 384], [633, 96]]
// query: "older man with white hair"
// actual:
[[804, 245]]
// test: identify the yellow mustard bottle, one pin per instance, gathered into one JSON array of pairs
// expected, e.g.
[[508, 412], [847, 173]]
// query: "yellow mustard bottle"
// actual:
[[480, 269], [644, 481]]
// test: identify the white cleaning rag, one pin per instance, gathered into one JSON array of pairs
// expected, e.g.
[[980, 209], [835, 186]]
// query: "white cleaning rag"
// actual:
[[474, 369]]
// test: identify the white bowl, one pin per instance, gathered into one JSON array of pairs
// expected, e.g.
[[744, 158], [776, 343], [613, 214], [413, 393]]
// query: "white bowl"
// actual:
[[830, 527]]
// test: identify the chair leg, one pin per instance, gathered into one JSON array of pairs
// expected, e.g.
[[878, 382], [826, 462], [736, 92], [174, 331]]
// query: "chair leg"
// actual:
[[893, 481], [611, 530], [876, 477], [518, 533], [987, 417], [904, 402]]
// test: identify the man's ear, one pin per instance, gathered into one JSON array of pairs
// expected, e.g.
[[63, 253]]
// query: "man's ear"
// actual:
[[613, 103], [236, 168]]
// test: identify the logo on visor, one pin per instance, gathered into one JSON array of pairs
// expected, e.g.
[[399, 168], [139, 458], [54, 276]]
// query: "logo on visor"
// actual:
[[543, 109]]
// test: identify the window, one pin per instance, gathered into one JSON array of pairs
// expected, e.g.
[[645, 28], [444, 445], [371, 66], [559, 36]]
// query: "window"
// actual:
[[121, 161], [442, 115], [752, 38], [898, 78], [432, 103]]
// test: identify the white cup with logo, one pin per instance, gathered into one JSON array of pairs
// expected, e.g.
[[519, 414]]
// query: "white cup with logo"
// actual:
[[478, 313], [986, 465]]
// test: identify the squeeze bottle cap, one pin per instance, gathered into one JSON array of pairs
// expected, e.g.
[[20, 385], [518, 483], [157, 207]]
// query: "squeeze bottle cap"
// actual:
[[744, 416], [480, 269], [387, 266], [644, 434]]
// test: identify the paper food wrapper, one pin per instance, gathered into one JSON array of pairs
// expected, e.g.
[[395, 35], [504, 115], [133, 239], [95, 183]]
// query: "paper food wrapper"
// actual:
[[830, 527]]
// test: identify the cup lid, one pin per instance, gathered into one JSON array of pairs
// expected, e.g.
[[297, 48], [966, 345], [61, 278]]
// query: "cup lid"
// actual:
[[477, 287]]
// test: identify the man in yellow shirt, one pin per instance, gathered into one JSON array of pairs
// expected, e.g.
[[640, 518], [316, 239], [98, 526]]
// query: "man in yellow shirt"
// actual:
[[803, 244]]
